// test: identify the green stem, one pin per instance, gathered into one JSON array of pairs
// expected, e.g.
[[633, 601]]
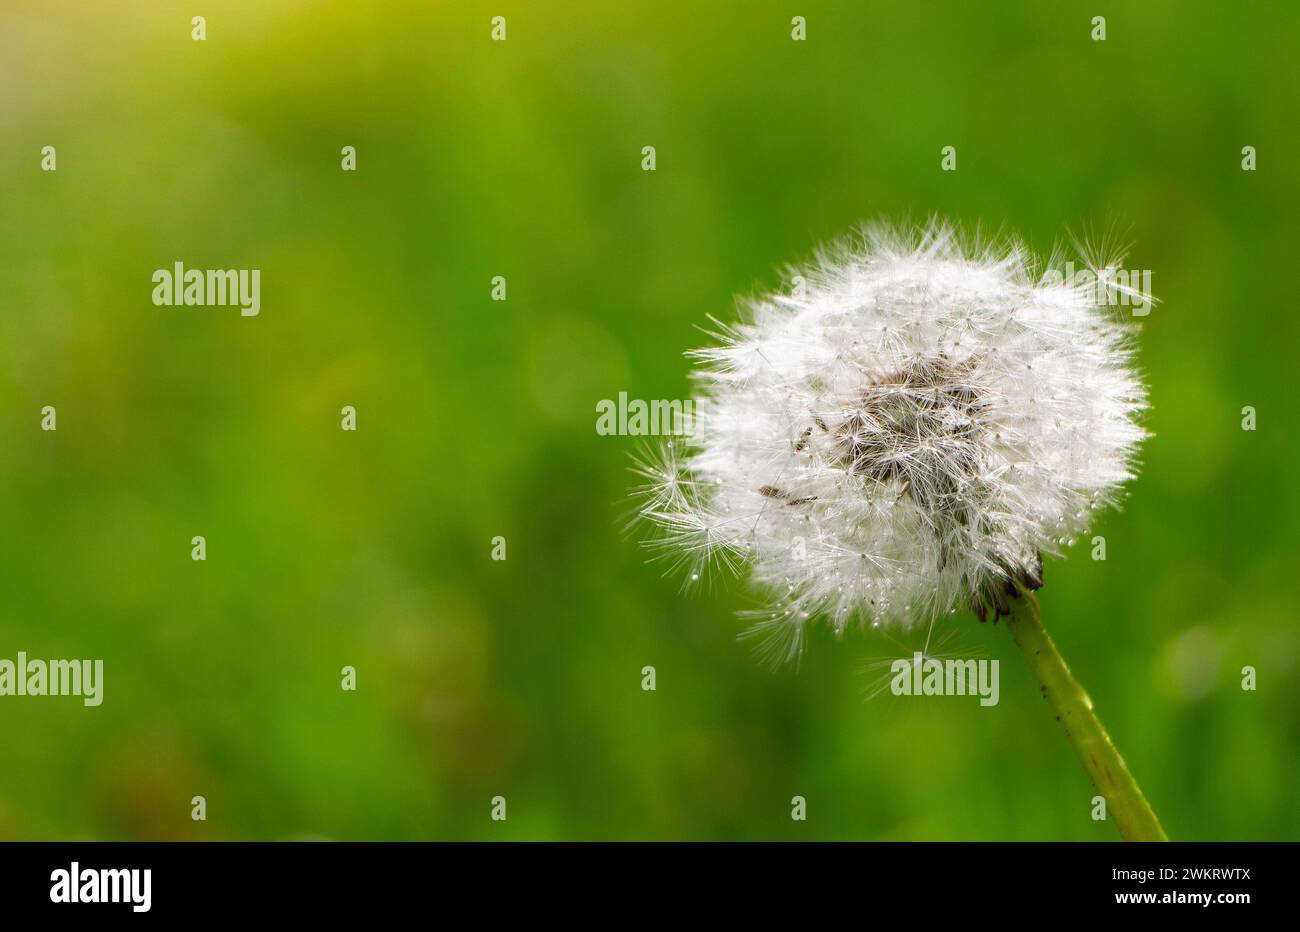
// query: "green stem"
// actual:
[[1125, 803]]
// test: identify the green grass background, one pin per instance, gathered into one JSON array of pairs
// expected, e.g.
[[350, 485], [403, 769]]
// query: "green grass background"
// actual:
[[522, 678]]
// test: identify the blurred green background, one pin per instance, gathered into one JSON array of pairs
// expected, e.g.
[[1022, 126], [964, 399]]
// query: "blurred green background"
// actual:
[[476, 418]]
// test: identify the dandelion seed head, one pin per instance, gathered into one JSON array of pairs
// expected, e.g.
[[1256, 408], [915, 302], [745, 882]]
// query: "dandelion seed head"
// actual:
[[905, 435]]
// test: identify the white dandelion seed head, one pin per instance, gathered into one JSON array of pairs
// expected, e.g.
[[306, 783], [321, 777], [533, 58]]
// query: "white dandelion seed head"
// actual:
[[904, 435]]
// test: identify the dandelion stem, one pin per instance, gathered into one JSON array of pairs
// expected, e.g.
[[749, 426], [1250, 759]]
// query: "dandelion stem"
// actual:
[[1125, 803]]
